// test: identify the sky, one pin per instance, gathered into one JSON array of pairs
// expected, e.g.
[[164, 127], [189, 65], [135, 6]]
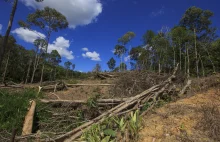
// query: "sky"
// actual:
[[96, 25]]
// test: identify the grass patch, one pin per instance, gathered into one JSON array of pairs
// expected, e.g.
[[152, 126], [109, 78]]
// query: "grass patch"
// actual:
[[13, 108]]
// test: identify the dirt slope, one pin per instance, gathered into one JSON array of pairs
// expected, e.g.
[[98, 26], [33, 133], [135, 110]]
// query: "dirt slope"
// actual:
[[180, 121]]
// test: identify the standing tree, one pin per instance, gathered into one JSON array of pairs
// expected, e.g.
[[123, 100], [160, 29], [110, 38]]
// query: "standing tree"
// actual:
[[111, 64], [124, 66], [5, 41], [10, 45], [97, 68], [48, 20], [40, 44], [120, 48], [67, 66], [198, 21], [54, 59]]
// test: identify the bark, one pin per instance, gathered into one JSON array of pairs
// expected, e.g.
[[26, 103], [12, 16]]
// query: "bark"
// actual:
[[6, 67], [203, 69], [42, 74], [36, 63], [29, 119], [2, 48], [188, 71], [185, 87], [28, 72], [72, 85], [196, 54]]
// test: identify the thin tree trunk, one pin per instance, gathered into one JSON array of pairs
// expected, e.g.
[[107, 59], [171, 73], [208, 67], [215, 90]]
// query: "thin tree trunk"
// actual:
[[180, 56], [2, 48], [55, 73], [6, 67], [36, 62], [42, 74], [174, 57], [27, 77], [196, 54], [188, 71], [203, 69]]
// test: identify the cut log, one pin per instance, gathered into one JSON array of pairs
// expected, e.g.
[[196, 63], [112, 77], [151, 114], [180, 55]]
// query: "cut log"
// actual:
[[72, 85], [29, 119], [185, 87]]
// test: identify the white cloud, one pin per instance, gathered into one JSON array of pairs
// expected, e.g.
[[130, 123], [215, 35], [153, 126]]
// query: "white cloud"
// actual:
[[113, 51], [61, 45], [27, 35], [92, 55], [77, 12], [85, 49], [127, 58], [1, 28], [158, 12]]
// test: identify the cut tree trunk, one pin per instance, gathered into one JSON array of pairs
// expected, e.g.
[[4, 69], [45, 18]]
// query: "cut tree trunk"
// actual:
[[29, 119]]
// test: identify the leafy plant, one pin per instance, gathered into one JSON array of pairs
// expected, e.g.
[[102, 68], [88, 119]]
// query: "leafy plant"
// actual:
[[134, 124], [92, 101]]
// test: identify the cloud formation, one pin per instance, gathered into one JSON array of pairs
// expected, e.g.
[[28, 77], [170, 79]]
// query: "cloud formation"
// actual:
[[77, 12], [85, 49], [61, 45], [94, 56], [127, 58], [27, 35]]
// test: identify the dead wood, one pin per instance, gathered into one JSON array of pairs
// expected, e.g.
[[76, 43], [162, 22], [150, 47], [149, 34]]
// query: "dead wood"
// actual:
[[29, 119], [185, 88], [72, 85]]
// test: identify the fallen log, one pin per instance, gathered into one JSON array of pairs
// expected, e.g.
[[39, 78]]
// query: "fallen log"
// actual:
[[29, 119], [72, 85], [189, 82], [100, 102], [74, 134]]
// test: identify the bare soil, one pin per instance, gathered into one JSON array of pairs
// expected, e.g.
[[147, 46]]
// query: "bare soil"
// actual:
[[180, 121]]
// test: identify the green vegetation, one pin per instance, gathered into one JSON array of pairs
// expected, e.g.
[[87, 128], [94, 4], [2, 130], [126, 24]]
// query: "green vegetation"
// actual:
[[115, 129], [13, 108]]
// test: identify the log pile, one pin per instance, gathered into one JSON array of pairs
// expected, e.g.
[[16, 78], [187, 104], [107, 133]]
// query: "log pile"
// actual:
[[121, 106]]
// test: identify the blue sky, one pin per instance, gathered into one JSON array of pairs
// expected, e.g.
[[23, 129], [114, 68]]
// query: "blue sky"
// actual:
[[96, 25]]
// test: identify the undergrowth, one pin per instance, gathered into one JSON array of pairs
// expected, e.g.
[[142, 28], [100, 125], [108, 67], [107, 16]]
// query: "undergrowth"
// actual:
[[13, 108], [115, 129]]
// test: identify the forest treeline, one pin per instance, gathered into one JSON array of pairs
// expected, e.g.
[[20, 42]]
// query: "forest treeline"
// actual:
[[192, 43]]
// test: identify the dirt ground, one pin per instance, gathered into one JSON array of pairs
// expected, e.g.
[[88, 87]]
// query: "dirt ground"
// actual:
[[83, 92], [179, 121]]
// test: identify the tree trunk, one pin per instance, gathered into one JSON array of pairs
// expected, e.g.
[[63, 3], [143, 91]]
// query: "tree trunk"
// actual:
[[42, 74], [174, 57], [196, 54], [180, 57], [188, 71], [36, 62], [55, 73], [202, 65], [28, 72], [6, 67], [2, 48]]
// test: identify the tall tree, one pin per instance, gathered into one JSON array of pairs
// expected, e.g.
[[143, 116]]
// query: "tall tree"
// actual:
[[198, 21], [48, 20], [111, 64], [11, 43], [5, 41], [67, 66], [54, 60], [120, 48], [97, 68]]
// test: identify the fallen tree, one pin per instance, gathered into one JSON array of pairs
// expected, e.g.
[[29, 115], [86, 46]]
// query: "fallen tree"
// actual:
[[122, 106], [152, 94]]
